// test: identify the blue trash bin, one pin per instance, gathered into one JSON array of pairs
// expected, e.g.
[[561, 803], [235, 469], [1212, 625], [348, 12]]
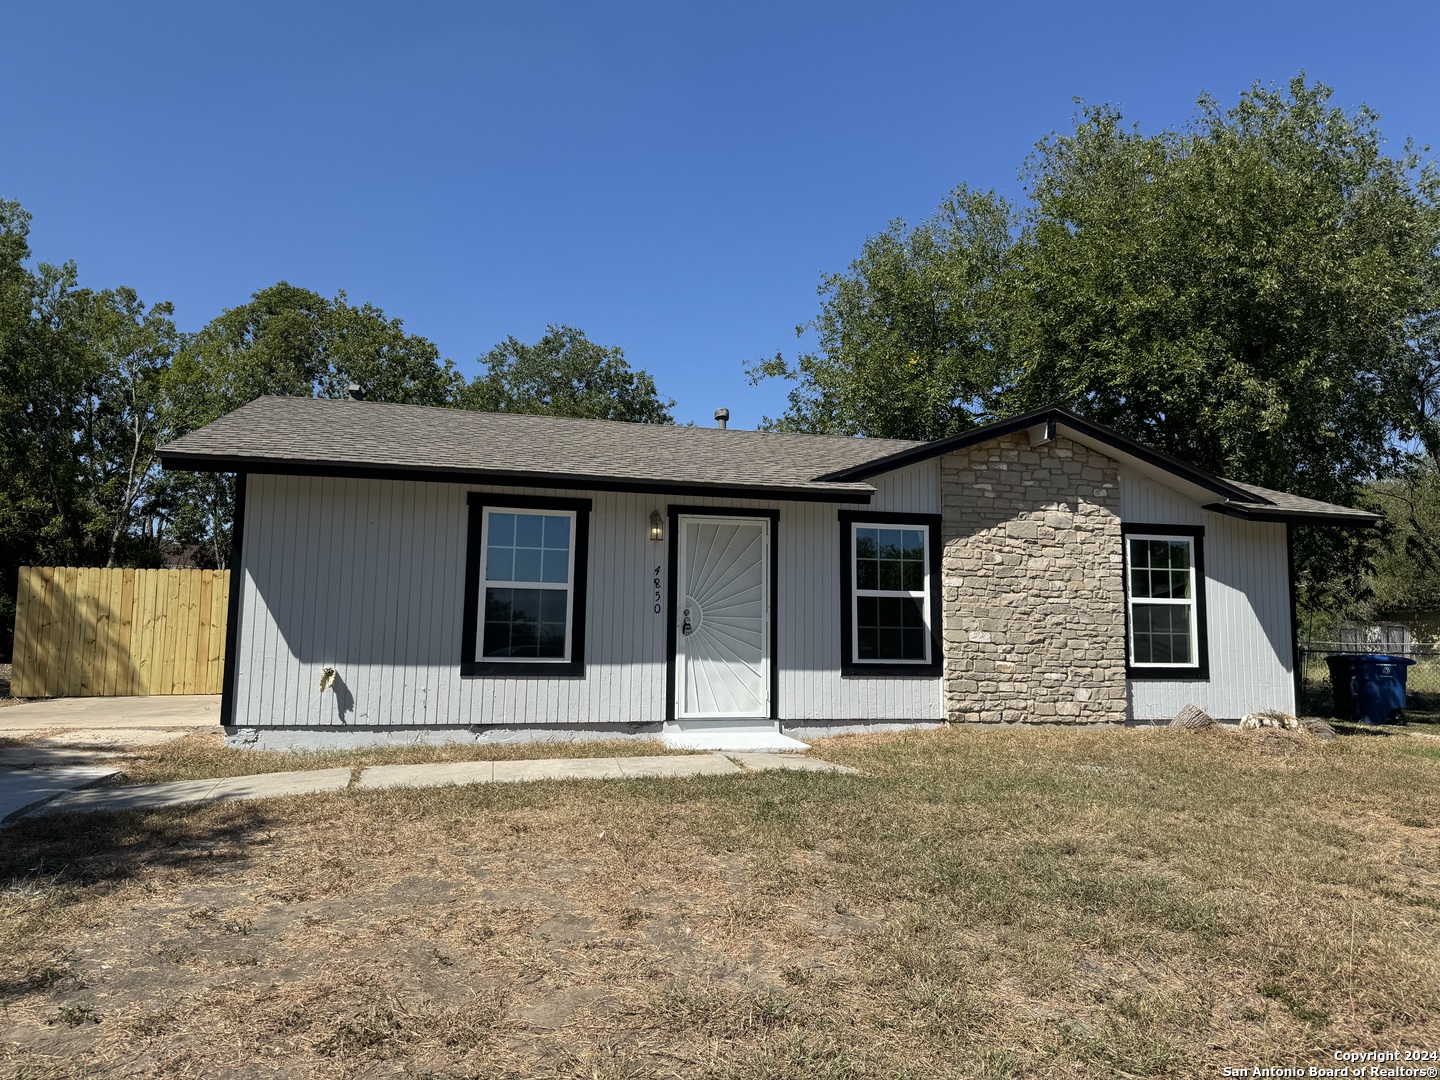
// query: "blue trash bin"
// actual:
[[1369, 687]]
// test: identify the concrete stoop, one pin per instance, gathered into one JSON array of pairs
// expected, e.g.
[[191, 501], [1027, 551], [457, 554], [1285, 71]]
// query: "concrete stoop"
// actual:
[[737, 735]]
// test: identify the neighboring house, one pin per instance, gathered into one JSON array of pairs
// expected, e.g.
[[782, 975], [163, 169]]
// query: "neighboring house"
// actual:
[[473, 575]]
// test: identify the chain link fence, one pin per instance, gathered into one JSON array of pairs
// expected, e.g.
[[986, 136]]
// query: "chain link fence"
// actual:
[[1422, 684]]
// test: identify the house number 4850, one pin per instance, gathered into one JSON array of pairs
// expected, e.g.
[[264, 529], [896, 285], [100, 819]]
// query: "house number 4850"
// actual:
[[657, 590]]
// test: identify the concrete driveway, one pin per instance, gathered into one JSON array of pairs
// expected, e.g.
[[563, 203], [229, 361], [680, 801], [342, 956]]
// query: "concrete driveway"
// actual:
[[61, 744], [178, 711]]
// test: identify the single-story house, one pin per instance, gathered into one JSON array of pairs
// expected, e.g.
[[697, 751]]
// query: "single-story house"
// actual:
[[404, 573]]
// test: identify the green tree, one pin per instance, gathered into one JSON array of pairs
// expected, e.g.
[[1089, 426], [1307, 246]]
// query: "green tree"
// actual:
[[565, 374], [79, 382], [1405, 574], [1239, 293], [290, 341], [910, 336], [1254, 292]]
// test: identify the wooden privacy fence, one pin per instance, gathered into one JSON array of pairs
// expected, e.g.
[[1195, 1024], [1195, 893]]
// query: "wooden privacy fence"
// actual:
[[92, 632]]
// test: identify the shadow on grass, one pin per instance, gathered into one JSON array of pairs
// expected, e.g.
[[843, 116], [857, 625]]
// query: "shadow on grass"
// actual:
[[56, 862]]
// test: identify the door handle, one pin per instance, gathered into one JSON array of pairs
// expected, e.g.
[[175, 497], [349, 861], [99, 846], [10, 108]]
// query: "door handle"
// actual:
[[685, 627]]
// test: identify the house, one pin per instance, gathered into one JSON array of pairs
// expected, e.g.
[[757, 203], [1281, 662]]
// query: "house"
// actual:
[[413, 573]]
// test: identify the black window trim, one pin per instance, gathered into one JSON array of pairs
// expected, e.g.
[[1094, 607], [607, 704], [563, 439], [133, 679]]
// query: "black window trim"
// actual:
[[470, 666], [903, 670], [1200, 672]]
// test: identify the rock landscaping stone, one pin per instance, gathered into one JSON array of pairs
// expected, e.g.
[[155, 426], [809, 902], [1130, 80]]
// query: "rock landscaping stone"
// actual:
[[1192, 718], [1270, 718]]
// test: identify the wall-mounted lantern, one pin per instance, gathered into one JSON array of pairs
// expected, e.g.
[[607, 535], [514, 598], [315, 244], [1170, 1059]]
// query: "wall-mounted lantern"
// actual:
[[657, 526]]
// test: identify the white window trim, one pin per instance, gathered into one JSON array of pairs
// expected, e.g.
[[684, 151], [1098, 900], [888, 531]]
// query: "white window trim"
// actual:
[[486, 584], [923, 595], [1193, 603]]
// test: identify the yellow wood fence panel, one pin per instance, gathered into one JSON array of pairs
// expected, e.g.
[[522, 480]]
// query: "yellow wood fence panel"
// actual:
[[94, 632]]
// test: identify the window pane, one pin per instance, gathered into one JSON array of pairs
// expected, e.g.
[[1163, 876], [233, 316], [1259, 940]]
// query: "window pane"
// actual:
[[552, 605], [1160, 569], [529, 529], [497, 639], [527, 564], [890, 628], [500, 564], [1162, 634], [914, 641], [867, 574], [552, 641], [502, 529], [890, 574], [890, 611], [865, 607], [557, 532], [890, 644], [522, 638], [524, 623], [555, 566], [866, 644], [497, 605], [912, 576]]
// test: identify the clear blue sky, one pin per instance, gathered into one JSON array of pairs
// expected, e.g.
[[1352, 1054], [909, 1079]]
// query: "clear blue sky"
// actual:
[[672, 178]]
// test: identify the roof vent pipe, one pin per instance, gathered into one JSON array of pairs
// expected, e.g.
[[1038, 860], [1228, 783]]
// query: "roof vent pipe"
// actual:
[[722, 417], [355, 392]]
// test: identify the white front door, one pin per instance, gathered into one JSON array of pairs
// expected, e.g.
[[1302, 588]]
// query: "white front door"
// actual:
[[722, 639]]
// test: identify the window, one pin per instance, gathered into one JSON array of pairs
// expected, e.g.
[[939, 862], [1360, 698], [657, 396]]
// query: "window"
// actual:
[[891, 593], [1164, 599], [525, 586]]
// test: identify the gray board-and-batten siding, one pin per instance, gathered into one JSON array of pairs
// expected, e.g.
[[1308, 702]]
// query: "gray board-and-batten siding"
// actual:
[[1247, 599], [367, 576]]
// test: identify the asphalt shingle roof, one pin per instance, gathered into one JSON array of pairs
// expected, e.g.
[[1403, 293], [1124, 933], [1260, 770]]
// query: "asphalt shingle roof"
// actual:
[[328, 432], [1270, 499], [280, 434]]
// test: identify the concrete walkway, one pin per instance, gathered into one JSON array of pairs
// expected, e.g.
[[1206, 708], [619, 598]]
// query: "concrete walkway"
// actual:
[[57, 799], [67, 744]]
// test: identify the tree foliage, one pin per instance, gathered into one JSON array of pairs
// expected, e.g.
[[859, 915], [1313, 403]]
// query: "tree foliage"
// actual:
[[565, 374], [1255, 292], [912, 338], [1405, 572]]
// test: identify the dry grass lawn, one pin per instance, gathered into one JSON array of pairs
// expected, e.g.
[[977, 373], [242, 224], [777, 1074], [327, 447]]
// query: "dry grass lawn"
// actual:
[[1021, 904]]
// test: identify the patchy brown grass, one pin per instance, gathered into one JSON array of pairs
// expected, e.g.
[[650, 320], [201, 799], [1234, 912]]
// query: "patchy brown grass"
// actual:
[[979, 904], [203, 756]]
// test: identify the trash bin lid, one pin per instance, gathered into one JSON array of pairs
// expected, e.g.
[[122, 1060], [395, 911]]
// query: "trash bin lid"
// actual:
[[1382, 658]]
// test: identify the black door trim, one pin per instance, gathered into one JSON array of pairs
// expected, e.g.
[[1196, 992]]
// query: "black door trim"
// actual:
[[673, 580]]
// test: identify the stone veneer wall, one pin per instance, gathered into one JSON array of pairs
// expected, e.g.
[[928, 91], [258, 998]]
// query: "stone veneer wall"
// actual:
[[1033, 583]]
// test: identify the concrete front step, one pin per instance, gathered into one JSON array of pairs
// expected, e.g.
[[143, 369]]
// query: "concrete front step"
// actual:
[[741, 735]]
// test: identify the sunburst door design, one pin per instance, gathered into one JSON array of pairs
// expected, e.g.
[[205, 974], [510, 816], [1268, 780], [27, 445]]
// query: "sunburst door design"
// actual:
[[723, 643]]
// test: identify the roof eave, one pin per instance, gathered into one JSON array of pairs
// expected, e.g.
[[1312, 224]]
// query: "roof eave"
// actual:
[[1354, 519], [172, 460], [1050, 415]]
